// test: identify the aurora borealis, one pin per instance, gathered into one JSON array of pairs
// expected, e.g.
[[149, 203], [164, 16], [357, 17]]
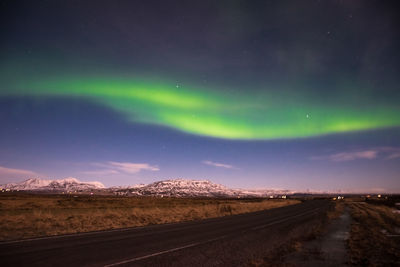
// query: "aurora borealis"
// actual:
[[275, 89], [209, 113]]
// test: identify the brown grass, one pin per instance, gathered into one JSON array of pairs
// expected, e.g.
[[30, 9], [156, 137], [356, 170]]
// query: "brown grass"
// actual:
[[25, 216], [336, 211], [373, 240]]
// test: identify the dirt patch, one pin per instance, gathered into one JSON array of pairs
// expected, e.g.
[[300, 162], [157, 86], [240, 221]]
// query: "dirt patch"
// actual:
[[328, 249]]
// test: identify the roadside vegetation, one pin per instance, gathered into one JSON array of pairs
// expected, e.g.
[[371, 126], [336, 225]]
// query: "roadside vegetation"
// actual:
[[375, 234], [373, 240], [27, 216]]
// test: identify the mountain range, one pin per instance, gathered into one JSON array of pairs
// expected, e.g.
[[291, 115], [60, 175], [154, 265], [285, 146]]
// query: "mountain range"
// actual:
[[67, 184], [165, 188]]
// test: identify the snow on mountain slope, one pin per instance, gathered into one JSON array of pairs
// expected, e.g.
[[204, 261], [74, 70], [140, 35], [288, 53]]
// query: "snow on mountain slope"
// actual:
[[172, 188], [184, 187], [194, 188], [67, 184]]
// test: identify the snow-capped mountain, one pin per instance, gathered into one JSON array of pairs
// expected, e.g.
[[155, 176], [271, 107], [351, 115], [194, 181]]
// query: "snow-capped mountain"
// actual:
[[67, 184], [182, 188], [193, 188], [165, 188]]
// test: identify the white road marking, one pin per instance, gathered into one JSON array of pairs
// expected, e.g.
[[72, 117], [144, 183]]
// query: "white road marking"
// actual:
[[82, 234], [64, 236], [201, 243], [163, 252]]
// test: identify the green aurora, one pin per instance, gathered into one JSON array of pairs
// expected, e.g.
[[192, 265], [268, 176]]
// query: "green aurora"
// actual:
[[256, 115]]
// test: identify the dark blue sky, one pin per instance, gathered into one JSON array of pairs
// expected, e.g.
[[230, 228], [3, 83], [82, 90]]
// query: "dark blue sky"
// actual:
[[339, 54]]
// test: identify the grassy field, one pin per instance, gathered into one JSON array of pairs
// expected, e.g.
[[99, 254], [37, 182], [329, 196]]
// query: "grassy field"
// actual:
[[374, 236], [25, 216]]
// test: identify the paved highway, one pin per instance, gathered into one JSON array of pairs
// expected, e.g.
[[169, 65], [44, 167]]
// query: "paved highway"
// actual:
[[201, 243]]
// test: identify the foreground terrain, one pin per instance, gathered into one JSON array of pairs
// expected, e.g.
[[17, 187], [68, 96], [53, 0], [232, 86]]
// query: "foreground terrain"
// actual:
[[26, 216], [374, 235], [304, 232], [358, 232], [225, 241]]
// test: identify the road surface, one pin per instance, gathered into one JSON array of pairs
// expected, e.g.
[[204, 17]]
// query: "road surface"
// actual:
[[198, 243]]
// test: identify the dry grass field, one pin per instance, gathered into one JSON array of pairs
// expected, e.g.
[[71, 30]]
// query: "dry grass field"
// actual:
[[374, 236], [26, 216]]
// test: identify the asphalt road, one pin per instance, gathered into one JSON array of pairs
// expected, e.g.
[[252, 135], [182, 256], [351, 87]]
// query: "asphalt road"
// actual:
[[178, 244]]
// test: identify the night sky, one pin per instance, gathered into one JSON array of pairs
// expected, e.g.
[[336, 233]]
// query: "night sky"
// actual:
[[300, 95]]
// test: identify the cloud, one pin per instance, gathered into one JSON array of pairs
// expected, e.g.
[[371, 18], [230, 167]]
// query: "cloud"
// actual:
[[220, 165], [349, 156], [395, 155], [114, 167], [373, 153], [132, 167], [391, 152], [13, 173]]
